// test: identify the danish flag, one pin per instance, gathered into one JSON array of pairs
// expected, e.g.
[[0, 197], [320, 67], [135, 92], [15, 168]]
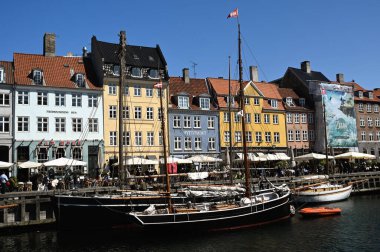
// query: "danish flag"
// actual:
[[234, 13]]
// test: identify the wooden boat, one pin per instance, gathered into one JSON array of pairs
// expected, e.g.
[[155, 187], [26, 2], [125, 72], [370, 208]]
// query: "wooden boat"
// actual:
[[322, 193], [319, 211]]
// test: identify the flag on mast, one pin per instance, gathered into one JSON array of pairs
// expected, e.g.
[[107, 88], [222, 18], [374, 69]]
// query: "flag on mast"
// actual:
[[158, 85], [234, 13]]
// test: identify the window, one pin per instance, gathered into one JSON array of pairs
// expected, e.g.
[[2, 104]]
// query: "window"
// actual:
[[92, 124], [160, 114], [77, 124], [126, 138], [248, 137], [138, 113], [77, 153], [256, 101], [304, 135], [298, 135], [183, 102], [160, 139], [138, 138], [37, 77], [153, 74], [137, 90], [238, 136], [126, 90], [289, 101], [150, 138], [226, 136], [76, 100], [187, 143], [60, 99], [247, 117], [22, 124], [363, 136], [257, 118], [4, 99], [126, 112], [369, 121], [376, 108], [226, 116], [112, 89], [42, 124], [136, 72], [176, 121], [303, 118], [377, 122], [370, 95], [275, 119], [197, 121], [290, 135], [273, 103], [112, 111], [186, 121], [160, 91], [60, 124], [302, 102], [362, 122], [246, 100], [116, 70], [2, 79], [23, 153], [311, 135], [296, 118], [360, 94], [266, 118], [289, 118], [378, 135], [197, 143], [369, 107], [237, 116], [361, 107], [177, 143], [92, 101], [79, 80], [4, 124], [149, 92], [370, 136], [211, 143], [59, 152], [42, 98], [276, 137], [268, 137], [228, 101], [311, 118], [113, 138], [42, 154], [204, 103], [211, 122], [149, 113], [259, 138]]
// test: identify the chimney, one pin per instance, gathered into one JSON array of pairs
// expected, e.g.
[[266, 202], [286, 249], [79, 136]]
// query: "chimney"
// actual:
[[254, 73], [84, 52], [49, 44], [305, 66], [340, 77], [185, 72]]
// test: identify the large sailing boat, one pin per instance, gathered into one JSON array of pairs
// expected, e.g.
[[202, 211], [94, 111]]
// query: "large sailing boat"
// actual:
[[263, 207]]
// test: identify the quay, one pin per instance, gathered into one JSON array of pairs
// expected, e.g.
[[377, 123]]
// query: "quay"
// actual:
[[31, 208]]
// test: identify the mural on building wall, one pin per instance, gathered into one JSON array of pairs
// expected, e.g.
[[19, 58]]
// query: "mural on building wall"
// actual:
[[340, 115]]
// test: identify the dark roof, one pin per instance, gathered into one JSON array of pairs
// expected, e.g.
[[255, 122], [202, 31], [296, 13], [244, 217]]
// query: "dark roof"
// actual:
[[288, 92], [8, 69], [136, 55], [305, 77]]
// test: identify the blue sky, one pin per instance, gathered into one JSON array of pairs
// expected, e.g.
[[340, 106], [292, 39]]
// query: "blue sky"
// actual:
[[340, 36]]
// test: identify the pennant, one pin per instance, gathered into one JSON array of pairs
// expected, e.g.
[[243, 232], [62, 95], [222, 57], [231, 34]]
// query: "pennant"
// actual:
[[158, 85], [234, 13], [323, 91]]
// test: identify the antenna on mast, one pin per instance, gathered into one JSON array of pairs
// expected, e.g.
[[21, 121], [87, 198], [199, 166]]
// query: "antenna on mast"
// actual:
[[194, 64]]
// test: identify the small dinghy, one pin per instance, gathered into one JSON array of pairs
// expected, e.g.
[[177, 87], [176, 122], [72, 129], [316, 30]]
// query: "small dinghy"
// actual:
[[319, 211]]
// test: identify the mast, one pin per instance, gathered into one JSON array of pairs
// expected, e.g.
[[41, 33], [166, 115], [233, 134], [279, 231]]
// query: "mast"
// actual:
[[326, 147], [242, 104], [229, 115], [122, 55]]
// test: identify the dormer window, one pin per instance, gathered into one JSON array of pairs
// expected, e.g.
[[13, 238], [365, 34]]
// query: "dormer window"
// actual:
[[116, 70], [302, 102], [79, 80], [136, 72], [153, 73], [228, 100], [37, 77], [370, 95], [289, 101], [183, 102], [2, 78], [204, 103], [360, 94], [273, 103]]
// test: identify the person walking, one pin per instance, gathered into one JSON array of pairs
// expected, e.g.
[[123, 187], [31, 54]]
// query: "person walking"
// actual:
[[4, 180]]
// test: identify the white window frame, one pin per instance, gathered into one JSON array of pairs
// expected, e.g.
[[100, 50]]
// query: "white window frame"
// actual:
[[211, 143], [258, 137], [4, 124], [42, 124], [177, 121], [266, 118], [257, 118], [137, 90], [275, 119], [298, 135], [197, 143], [238, 138], [112, 112], [226, 136], [149, 92], [211, 122], [113, 138], [42, 99], [187, 143], [289, 118], [187, 122], [126, 138], [138, 113], [4, 100], [138, 138], [204, 103], [149, 113], [177, 143], [92, 101], [276, 137], [290, 136], [150, 138], [60, 124], [77, 124], [183, 102], [76, 100], [23, 123], [197, 122], [268, 137], [303, 118], [93, 125], [60, 99], [112, 89], [256, 101], [305, 135]]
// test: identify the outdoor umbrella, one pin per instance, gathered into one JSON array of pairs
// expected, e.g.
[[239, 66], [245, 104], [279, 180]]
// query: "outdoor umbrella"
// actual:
[[311, 156], [355, 155], [203, 159], [176, 160], [5, 164]]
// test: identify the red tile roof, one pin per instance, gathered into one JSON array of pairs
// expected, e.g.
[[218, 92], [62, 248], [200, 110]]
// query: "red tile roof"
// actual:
[[221, 86], [270, 91], [8, 69], [57, 71]]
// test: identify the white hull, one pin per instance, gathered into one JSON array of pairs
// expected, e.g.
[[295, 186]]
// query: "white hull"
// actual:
[[319, 196]]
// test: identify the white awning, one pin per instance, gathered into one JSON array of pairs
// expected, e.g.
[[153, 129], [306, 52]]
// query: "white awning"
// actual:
[[30, 165], [176, 160], [203, 159], [65, 162], [5, 164], [138, 161], [282, 156]]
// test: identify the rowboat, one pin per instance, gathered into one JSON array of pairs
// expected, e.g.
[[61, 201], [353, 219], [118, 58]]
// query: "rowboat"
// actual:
[[319, 211]]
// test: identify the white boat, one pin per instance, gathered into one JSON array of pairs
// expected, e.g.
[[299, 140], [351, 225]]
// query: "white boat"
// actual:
[[322, 193]]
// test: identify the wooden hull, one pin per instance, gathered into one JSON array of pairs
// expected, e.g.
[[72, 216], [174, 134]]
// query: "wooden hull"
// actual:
[[319, 211], [240, 217], [321, 196]]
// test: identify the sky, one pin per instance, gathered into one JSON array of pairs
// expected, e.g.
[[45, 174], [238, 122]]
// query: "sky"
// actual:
[[340, 36]]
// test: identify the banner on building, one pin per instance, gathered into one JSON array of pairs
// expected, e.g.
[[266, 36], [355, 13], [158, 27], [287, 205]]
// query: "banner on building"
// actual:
[[338, 102]]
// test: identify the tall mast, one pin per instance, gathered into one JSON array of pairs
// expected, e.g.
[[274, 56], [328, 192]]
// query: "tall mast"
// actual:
[[229, 115], [326, 148], [242, 104], [122, 54]]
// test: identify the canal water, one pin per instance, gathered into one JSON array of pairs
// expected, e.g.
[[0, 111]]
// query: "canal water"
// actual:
[[356, 229]]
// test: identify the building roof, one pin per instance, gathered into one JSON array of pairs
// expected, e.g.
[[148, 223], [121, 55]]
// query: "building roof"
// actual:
[[357, 87], [288, 92], [305, 77], [139, 56], [57, 71], [221, 86], [269, 90], [8, 69]]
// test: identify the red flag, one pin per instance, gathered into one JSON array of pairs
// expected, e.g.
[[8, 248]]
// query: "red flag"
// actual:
[[323, 91], [158, 85], [235, 13]]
